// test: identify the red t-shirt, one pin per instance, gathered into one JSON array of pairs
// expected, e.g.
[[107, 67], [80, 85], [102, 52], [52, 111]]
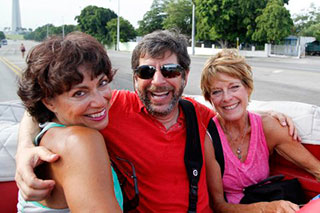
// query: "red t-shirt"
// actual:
[[157, 154]]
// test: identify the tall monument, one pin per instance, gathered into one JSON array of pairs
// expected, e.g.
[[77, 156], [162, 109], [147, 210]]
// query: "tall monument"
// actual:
[[16, 19]]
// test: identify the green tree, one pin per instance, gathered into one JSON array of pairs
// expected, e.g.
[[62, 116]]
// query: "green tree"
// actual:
[[68, 28], [225, 20], [179, 16], [307, 23], [2, 35], [127, 31], [40, 33], [153, 19], [274, 24], [93, 20]]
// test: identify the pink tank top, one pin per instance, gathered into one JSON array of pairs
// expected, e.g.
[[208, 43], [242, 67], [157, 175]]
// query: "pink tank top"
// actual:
[[237, 175]]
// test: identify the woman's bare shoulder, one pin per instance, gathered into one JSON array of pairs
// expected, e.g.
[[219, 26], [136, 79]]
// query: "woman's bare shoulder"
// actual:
[[269, 123], [64, 139]]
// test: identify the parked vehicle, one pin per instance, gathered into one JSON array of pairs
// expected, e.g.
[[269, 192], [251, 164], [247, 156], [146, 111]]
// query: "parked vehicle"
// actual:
[[313, 48], [4, 41]]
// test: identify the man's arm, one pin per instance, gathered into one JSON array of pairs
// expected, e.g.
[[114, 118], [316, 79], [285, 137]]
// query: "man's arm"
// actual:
[[27, 158]]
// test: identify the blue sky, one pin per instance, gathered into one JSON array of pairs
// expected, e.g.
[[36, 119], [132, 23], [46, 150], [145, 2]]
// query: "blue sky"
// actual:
[[35, 13]]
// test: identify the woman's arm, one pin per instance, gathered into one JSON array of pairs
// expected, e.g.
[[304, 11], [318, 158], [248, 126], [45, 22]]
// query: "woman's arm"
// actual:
[[216, 192], [27, 158], [278, 138], [83, 170]]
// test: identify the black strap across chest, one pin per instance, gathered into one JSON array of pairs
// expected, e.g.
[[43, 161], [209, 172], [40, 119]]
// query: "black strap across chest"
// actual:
[[218, 151], [193, 154]]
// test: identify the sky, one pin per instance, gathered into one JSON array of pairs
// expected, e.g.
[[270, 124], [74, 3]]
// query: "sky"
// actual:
[[36, 13]]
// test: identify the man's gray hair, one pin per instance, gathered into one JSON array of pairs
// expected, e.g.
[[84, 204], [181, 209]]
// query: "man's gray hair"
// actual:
[[157, 43]]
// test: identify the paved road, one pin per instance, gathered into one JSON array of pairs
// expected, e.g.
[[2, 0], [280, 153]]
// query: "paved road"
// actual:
[[288, 79], [11, 65]]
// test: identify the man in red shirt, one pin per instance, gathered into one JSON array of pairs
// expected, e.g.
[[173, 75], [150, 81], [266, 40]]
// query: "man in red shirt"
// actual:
[[146, 133]]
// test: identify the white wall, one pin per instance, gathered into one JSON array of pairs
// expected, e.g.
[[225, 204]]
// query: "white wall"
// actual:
[[129, 46]]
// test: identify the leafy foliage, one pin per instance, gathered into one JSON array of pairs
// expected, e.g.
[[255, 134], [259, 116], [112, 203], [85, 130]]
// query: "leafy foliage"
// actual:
[[127, 31], [308, 23], [93, 20], [274, 24], [226, 20], [179, 16], [42, 32], [153, 19], [2, 35]]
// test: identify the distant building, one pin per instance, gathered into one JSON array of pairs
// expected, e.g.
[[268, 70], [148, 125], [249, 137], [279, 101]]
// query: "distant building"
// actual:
[[297, 45], [16, 18], [301, 40]]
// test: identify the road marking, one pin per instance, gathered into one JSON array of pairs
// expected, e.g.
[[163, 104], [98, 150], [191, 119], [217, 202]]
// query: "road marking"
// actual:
[[11, 66], [277, 71]]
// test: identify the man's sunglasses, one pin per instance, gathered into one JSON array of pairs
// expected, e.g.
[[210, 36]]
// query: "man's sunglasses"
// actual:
[[167, 70]]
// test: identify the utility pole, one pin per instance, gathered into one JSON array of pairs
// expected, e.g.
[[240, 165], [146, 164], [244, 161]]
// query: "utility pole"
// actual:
[[62, 28], [193, 27], [118, 26], [63, 31]]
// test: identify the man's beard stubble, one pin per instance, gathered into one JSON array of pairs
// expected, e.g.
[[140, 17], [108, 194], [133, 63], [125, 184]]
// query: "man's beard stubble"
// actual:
[[147, 103]]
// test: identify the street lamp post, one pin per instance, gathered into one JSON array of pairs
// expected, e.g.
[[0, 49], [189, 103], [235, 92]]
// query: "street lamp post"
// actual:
[[237, 42], [63, 31], [62, 27], [118, 26], [47, 30], [193, 27]]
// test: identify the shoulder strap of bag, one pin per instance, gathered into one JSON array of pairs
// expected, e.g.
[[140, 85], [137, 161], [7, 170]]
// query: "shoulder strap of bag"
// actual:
[[193, 154], [218, 151]]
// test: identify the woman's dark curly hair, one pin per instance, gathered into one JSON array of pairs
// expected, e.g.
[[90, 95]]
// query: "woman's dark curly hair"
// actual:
[[52, 69]]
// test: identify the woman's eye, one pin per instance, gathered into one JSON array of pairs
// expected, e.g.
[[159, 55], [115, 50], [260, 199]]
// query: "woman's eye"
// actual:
[[104, 82], [235, 87], [79, 94], [216, 92]]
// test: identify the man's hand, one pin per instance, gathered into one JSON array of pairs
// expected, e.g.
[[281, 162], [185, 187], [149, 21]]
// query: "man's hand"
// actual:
[[32, 188], [286, 121]]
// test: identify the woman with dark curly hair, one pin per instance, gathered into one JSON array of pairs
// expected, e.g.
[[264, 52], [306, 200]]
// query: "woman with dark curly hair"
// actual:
[[66, 89]]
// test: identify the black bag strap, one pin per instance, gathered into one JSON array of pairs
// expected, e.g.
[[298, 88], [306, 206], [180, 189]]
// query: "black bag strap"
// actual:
[[193, 154], [128, 204], [275, 178], [218, 151]]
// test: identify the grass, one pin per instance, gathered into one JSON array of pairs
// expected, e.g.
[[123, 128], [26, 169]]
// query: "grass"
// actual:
[[14, 37]]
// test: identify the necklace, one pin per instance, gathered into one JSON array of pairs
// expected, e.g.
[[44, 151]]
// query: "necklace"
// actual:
[[239, 153], [243, 136], [240, 141]]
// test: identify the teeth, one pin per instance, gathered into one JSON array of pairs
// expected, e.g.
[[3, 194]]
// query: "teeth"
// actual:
[[98, 114], [159, 93], [231, 107]]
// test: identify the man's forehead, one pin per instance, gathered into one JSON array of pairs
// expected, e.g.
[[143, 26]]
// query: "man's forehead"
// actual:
[[166, 57], [157, 55]]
